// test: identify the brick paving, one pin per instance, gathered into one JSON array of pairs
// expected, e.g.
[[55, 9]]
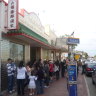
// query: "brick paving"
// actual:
[[59, 88]]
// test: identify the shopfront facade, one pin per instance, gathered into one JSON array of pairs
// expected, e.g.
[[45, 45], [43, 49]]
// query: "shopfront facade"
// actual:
[[22, 44], [27, 43]]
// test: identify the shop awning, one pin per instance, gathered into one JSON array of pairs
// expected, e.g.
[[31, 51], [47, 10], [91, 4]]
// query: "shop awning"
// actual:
[[27, 35]]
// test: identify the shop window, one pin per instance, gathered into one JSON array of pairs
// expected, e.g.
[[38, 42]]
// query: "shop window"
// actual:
[[16, 52]]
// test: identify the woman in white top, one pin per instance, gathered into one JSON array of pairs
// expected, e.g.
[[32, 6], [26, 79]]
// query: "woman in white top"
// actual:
[[21, 71], [32, 84]]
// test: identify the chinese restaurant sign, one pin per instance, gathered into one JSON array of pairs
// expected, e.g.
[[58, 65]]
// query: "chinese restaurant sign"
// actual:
[[12, 14]]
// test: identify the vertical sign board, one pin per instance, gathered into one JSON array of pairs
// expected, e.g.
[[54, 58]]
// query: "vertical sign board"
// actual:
[[72, 73], [73, 90], [72, 79], [12, 14]]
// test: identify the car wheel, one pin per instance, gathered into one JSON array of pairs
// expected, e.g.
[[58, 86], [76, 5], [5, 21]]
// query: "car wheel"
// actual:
[[93, 82]]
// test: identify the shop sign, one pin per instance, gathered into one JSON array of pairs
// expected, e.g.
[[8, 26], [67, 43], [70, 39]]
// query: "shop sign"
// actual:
[[12, 14]]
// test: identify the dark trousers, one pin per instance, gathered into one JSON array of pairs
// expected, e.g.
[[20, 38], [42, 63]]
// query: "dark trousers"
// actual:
[[10, 82], [47, 81], [63, 71], [40, 86], [57, 75], [20, 86]]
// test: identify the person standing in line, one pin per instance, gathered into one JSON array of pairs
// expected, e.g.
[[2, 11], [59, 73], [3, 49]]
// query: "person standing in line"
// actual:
[[51, 70], [21, 71], [32, 85], [40, 81], [28, 73], [63, 67], [46, 74], [14, 74], [56, 70], [10, 74]]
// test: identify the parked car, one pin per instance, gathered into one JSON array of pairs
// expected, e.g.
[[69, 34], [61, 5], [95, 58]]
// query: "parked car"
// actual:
[[89, 68], [94, 75]]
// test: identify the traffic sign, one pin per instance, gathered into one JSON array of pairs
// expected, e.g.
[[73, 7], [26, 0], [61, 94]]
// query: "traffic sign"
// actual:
[[73, 41], [77, 56]]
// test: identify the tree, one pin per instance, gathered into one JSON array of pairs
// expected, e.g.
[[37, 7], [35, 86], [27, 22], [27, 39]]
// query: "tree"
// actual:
[[86, 55], [95, 56]]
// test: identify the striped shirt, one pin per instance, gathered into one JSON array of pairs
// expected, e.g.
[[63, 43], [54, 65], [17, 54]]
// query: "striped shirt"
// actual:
[[10, 69]]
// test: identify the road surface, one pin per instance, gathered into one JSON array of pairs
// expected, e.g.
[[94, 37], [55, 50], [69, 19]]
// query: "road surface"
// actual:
[[92, 88]]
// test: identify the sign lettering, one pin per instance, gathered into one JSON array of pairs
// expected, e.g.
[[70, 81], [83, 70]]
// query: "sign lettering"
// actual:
[[13, 14]]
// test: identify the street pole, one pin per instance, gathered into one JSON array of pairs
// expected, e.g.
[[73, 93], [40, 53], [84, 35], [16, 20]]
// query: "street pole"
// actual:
[[0, 59], [0, 40], [72, 69], [0, 47]]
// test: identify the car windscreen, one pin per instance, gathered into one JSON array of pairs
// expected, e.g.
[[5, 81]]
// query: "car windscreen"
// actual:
[[90, 66]]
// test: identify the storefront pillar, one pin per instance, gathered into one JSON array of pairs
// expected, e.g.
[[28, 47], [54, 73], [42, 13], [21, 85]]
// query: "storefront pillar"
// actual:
[[59, 56], [54, 55], [41, 53], [27, 53]]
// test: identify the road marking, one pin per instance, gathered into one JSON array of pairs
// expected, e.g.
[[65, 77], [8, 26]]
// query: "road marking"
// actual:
[[87, 86]]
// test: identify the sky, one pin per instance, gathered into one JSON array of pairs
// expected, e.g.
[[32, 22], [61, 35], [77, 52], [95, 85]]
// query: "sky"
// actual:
[[66, 16]]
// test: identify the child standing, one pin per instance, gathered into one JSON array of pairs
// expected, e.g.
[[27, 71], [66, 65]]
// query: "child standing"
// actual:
[[32, 85]]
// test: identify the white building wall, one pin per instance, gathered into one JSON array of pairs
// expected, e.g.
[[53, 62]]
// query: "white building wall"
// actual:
[[2, 10], [3, 17], [51, 36], [32, 21]]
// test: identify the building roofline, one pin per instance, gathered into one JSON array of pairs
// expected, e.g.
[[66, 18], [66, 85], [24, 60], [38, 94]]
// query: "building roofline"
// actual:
[[4, 2]]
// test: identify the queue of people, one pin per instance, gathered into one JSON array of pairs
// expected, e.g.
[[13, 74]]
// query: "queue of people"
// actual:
[[33, 75]]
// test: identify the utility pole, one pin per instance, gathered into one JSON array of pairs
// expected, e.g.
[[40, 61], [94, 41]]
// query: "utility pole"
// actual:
[[0, 59], [0, 39], [0, 44], [72, 67]]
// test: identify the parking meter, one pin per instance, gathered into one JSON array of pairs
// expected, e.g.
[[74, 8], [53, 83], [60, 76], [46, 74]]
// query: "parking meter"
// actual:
[[72, 78]]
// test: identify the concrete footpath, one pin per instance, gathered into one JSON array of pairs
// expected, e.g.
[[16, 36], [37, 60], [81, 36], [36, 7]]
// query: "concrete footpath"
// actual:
[[59, 88]]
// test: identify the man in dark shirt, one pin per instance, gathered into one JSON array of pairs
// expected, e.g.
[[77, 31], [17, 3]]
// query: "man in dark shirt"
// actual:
[[40, 81], [63, 67]]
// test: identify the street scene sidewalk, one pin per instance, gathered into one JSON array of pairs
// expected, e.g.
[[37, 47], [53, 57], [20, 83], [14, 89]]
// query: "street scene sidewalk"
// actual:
[[59, 88], [82, 88]]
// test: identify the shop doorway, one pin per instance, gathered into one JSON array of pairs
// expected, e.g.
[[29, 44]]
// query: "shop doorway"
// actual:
[[32, 53]]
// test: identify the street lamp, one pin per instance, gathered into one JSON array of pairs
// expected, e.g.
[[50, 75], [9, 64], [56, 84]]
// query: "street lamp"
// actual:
[[72, 34]]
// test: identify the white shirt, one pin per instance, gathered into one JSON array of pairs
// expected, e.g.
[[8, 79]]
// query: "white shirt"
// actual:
[[56, 68], [21, 73], [32, 82], [32, 78]]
